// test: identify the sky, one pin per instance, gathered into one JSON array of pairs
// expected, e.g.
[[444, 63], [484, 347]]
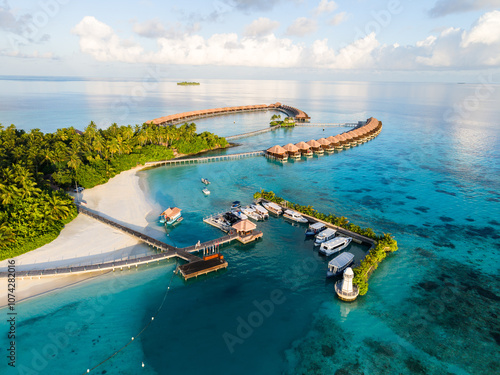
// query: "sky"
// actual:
[[389, 40]]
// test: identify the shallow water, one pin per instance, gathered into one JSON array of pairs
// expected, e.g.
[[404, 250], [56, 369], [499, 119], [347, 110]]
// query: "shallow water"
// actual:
[[432, 306]]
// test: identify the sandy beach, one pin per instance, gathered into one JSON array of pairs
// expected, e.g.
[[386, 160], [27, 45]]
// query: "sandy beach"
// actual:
[[87, 241]]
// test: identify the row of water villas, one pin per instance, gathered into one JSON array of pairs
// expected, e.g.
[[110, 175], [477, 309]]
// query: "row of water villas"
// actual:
[[351, 138]]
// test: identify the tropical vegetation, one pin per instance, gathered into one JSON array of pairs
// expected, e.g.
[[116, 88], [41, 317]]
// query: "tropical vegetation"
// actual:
[[35, 168], [384, 243], [276, 120], [188, 83]]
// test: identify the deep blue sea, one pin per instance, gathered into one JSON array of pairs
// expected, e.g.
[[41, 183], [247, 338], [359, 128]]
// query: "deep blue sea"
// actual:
[[431, 178]]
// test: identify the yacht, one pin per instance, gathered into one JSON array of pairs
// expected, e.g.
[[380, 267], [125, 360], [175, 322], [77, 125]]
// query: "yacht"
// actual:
[[252, 213], [240, 215], [335, 245], [315, 228], [324, 235], [338, 264], [261, 211], [273, 207], [295, 216]]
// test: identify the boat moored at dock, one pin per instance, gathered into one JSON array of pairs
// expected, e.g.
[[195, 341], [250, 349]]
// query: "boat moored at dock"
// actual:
[[295, 216], [338, 264], [261, 210], [324, 235], [315, 228], [334, 245], [252, 213], [272, 207], [171, 216]]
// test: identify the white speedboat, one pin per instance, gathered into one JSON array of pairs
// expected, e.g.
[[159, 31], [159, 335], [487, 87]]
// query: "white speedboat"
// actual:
[[273, 207], [206, 191], [324, 235], [315, 228], [239, 214], [261, 211], [335, 245], [251, 213], [205, 181], [295, 216], [338, 264]]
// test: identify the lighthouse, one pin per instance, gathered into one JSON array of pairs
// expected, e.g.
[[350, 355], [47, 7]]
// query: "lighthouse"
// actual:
[[344, 288]]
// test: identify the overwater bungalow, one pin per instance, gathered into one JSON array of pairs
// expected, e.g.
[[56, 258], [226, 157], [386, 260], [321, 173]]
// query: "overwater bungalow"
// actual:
[[343, 140], [292, 151], [326, 144], [246, 231], [316, 147], [278, 153], [336, 142], [304, 148]]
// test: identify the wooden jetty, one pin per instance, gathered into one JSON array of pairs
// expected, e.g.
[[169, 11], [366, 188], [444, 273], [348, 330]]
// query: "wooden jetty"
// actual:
[[207, 159], [332, 124], [167, 252], [250, 134]]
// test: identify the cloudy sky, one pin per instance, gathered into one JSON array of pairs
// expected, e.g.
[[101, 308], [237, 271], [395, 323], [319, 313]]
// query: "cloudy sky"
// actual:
[[297, 39]]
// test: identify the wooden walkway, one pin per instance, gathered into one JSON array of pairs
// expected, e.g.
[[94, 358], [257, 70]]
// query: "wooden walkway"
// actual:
[[251, 134], [207, 159], [345, 124], [167, 252]]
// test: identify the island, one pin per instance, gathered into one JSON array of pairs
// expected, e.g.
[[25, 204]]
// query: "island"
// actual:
[[188, 83]]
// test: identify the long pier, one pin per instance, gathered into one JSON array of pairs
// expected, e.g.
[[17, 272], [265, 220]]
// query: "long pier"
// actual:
[[206, 159], [332, 124], [251, 134], [167, 252]]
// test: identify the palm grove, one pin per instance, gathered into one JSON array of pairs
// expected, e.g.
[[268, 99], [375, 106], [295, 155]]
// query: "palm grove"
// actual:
[[36, 167]]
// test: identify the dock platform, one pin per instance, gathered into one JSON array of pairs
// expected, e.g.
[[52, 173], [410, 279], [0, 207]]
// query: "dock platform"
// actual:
[[202, 267]]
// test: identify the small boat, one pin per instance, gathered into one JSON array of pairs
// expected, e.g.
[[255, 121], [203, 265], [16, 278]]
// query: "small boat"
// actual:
[[206, 191], [273, 207], [324, 235], [315, 228], [295, 216], [240, 215], [261, 211], [236, 205], [252, 213], [205, 181], [338, 264], [335, 245], [171, 216]]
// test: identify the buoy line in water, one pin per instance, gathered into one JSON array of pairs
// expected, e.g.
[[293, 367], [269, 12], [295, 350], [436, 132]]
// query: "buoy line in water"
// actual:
[[143, 329]]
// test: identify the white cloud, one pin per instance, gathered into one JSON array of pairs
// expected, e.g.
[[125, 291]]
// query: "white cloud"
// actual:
[[338, 19], [261, 27], [486, 30], [446, 7], [325, 6], [100, 41], [302, 26], [453, 48]]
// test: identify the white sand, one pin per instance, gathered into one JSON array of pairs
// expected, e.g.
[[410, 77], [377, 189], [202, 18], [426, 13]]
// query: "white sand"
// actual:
[[87, 241]]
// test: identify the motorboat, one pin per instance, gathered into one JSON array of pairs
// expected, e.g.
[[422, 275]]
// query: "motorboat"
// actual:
[[205, 181], [295, 216], [338, 264], [252, 213], [315, 228], [206, 191], [236, 205], [334, 245], [171, 216], [273, 207], [240, 215], [261, 211], [324, 235]]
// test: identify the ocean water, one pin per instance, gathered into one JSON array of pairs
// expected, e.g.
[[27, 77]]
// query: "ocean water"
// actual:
[[431, 178]]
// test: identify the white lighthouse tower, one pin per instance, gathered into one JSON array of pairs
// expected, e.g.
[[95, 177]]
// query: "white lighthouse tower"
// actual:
[[345, 290]]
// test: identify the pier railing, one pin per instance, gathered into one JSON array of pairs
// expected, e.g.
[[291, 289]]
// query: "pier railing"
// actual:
[[207, 159], [251, 134]]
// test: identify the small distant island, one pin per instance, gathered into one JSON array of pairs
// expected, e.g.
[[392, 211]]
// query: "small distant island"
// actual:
[[188, 83], [276, 120]]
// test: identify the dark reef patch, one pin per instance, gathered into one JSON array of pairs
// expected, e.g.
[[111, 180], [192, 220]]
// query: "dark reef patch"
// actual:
[[422, 209], [446, 192], [410, 197], [446, 219]]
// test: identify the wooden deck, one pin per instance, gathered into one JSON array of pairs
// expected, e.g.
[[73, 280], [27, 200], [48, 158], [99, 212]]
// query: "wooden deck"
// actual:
[[201, 267], [251, 134], [207, 159]]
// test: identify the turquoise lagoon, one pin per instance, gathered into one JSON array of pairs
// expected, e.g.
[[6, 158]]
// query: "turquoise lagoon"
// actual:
[[434, 184]]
